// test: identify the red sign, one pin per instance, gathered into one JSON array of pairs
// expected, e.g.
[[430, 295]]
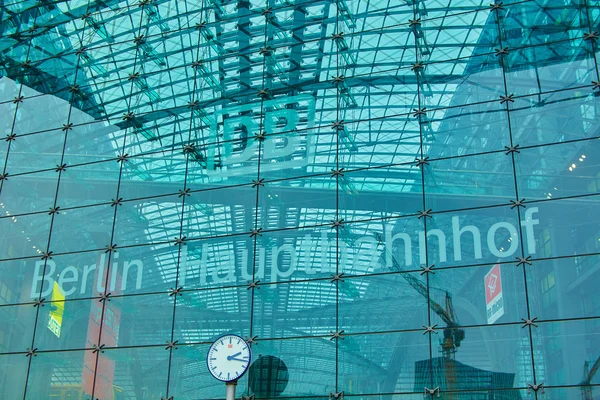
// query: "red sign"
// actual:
[[105, 367], [493, 294], [493, 284]]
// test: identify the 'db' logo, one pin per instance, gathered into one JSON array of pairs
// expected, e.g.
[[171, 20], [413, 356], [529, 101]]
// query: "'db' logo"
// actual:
[[286, 124], [492, 283]]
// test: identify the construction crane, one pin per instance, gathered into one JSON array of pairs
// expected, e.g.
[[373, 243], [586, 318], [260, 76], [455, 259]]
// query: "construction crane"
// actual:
[[588, 375], [453, 334]]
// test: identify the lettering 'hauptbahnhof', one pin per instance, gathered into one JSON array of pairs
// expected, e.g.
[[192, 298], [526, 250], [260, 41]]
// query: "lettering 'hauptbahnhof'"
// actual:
[[387, 199]]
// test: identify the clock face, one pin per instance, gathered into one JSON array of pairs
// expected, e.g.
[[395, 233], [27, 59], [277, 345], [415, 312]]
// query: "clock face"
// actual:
[[228, 358]]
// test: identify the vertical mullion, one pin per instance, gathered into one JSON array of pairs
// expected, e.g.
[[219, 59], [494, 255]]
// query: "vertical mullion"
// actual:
[[112, 246], [338, 124], [417, 67], [181, 240], [260, 138], [54, 209], [512, 149]]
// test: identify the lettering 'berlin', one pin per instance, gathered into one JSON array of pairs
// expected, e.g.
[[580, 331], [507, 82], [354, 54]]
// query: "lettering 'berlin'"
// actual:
[[71, 277]]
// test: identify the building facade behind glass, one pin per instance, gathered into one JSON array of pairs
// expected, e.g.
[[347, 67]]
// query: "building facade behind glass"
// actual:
[[389, 199]]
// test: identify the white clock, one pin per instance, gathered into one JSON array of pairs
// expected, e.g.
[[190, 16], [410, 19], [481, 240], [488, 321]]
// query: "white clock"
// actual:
[[228, 358]]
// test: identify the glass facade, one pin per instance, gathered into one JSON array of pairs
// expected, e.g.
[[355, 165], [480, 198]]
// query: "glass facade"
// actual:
[[389, 199]]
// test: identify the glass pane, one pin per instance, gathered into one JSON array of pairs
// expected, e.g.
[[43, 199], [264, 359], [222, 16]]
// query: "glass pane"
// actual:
[[96, 223], [19, 323], [60, 375], [481, 295], [487, 235], [384, 363], [28, 193], [567, 115], [294, 309], [13, 376], [487, 358], [565, 352], [563, 288], [382, 303], [68, 325], [88, 184], [204, 315], [24, 235]]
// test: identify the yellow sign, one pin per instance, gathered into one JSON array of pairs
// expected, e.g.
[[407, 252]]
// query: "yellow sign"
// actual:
[[57, 310]]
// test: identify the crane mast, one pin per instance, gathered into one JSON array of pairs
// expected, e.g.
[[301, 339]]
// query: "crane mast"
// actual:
[[453, 334], [588, 375]]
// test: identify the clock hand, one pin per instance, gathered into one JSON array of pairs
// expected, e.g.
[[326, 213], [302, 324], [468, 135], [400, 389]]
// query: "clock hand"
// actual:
[[236, 359], [231, 357]]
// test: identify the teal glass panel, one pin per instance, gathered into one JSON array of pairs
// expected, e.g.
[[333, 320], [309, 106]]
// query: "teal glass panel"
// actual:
[[540, 176], [232, 206], [561, 350], [482, 295], [396, 368], [14, 374], [577, 233], [23, 235], [142, 269], [389, 302], [90, 142], [126, 314], [132, 270], [16, 285], [381, 192], [211, 263], [311, 195], [507, 363], [30, 193], [488, 235], [574, 393], [457, 130], [71, 375], [575, 66], [312, 314], [288, 255], [9, 92], [312, 374], [131, 372], [204, 315], [562, 288], [136, 220], [565, 116], [37, 151], [374, 194], [55, 110], [68, 325], [66, 235], [19, 321], [485, 177], [89, 184], [530, 24]]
